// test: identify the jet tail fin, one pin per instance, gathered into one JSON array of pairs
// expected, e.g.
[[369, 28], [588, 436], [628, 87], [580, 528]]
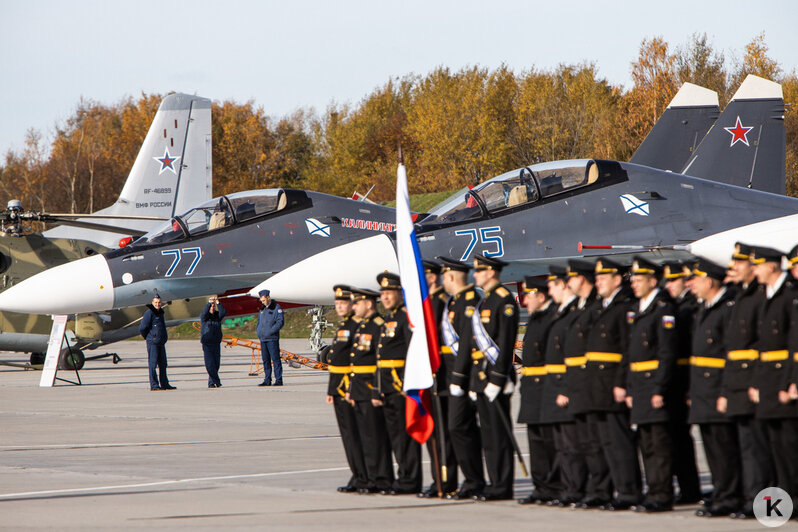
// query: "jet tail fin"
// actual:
[[678, 132], [171, 174], [746, 146]]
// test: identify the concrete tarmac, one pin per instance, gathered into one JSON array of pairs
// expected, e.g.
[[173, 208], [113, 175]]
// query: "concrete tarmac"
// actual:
[[113, 454]]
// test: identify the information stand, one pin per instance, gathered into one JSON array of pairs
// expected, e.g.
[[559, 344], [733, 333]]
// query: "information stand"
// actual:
[[55, 350]]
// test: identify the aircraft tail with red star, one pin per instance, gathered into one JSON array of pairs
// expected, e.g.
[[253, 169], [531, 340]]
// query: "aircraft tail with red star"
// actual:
[[746, 146], [171, 174]]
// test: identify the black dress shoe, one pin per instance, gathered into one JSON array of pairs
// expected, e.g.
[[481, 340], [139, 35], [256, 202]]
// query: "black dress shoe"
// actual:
[[367, 491], [529, 499], [651, 507], [155, 388], [347, 489], [429, 493], [278, 382], [742, 514], [212, 385], [168, 387], [615, 506], [265, 383], [714, 511], [463, 495], [492, 497], [586, 504]]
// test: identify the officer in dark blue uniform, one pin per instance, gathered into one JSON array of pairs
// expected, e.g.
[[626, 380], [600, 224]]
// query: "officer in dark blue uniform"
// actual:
[[270, 321], [153, 329], [211, 337], [708, 359]]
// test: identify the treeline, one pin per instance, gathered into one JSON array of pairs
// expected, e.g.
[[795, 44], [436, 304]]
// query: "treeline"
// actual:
[[455, 128]]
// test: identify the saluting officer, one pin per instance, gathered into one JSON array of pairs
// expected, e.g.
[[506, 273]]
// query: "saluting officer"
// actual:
[[738, 375], [338, 367], [362, 369], [542, 453], [773, 374], [456, 330], [440, 405], [653, 347], [554, 402], [388, 396], [597, 482], [606, 371], [493, 379], [706, 374], [676, 277]]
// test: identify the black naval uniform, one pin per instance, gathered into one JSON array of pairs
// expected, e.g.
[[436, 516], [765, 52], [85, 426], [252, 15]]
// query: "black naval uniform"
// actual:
[[463, 428], [773, 374], [683, 455], [391, 354], [652, 352], [592, 467], [606, 344], [718, 432], [344, 412], [542, 453], [562, 422], [738, 376], [439, 299], [370, 421], [498, 313]]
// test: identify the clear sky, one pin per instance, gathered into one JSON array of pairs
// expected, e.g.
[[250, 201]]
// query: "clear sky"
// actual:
[[288, 54]]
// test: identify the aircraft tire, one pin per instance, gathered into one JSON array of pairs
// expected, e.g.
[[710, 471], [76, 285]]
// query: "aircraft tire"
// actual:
[[37, 359], [74, 360], [324, 354]]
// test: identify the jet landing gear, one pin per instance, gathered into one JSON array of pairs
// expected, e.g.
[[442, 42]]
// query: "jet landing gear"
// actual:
[[319, 325]]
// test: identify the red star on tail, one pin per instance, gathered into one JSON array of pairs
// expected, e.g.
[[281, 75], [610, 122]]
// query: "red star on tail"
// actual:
[[739, 133]]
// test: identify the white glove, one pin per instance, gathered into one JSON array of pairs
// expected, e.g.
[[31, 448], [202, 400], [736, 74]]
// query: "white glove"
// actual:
[[473, 396], [456, 391], [492, 391], [508, 388]]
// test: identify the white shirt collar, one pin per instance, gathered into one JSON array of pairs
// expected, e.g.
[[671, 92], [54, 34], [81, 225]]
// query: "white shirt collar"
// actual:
[[709, 304], [606, 302], [566, 303], [646, 301], [771, 290]]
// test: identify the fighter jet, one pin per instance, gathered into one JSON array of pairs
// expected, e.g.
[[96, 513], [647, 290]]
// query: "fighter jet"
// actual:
[[532, 216], [172, 171], [539, 215]]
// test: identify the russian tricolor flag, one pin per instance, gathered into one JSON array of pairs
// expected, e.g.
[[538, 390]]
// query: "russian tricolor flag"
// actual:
[[423, 358]]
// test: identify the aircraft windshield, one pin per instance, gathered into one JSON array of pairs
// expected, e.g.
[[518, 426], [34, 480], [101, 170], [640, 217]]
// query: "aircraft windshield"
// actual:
[[515, 188], [218, 213]]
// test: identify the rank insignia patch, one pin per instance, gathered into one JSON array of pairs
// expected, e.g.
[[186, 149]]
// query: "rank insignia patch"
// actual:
[[669, 322]]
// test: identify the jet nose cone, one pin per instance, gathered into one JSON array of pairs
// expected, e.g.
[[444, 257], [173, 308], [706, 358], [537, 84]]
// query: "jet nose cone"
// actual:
[[80, 286]]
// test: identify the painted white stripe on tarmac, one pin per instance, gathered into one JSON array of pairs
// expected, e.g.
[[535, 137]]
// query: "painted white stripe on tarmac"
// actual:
[[146, 443], [169, 482]]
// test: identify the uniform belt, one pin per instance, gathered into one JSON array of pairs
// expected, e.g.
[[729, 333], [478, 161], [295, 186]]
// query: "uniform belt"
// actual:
[[646, 365], [477, 355], [446, 350], [576, 361], [682, 361], [774, 356], [707, 362], [533, 371], [555, 368], [352, 369], [743, 354], [390, 363], [604, 357], [795, 357]]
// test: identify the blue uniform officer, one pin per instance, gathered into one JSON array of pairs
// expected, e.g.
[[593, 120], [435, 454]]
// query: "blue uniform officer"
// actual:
[[153, 329], [270, 321], [211, 337]]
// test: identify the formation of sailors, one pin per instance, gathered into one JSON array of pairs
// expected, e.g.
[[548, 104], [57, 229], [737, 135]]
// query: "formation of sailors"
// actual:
[[617, 364]]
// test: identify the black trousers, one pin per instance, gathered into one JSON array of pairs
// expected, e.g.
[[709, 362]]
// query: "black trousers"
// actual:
[[406, 450], [437, 443], [783, 435], [212, 352], [347, 426], [599, 481], [466, 441], [723, 456], [683, 457], [376, 445], [543, 465], [758, 469], [573, 469], [496, 445], [620, 451], [655, 448]]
